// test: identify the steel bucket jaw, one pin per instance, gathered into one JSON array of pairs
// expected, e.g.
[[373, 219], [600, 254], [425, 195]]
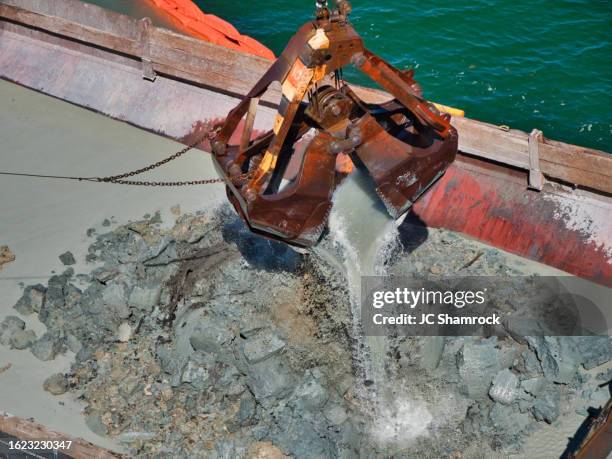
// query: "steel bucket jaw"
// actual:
[[282, 183]]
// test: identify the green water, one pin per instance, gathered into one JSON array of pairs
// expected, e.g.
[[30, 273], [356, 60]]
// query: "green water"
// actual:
[[522, 63]]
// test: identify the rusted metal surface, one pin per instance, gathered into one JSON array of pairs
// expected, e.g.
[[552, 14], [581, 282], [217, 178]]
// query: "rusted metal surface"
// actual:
[[557, 227], [597, 441], [405, 145], [26, 429], [199, 83]]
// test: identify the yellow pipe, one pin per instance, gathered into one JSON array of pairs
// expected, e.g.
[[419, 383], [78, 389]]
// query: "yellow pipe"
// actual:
[[450, 110]]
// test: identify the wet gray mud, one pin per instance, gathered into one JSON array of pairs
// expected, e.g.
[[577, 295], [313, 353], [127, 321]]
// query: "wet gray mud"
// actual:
[[199, 339]]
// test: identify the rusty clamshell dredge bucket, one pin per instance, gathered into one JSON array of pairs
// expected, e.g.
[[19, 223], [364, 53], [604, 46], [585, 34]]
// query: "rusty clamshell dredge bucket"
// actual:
[[282, 182]]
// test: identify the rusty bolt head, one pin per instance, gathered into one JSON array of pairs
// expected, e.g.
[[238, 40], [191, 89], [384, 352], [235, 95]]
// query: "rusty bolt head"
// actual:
[[234, 170], [250, 194]]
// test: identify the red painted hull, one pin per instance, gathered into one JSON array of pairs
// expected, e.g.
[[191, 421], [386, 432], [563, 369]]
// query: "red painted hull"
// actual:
[[492, 203]]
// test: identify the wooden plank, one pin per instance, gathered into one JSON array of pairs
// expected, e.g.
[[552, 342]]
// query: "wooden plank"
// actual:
[[232, 72], [25, 429], [71, 29], [577, 165], [83, 13]]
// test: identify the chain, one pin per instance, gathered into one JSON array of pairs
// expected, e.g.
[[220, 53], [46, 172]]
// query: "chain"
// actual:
[[120, 179]]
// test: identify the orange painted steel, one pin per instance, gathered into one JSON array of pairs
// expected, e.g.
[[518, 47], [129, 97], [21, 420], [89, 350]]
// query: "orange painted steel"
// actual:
[[187, 17]]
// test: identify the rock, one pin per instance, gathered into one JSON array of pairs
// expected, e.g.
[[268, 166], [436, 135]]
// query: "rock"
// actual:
[[546, 406], [175, 210], [106, 222], [507, 421], [432, 350], [533, 386], [95, 424], [32, 299], [605, 376], [12, 323], [309, 396], [114, 297], [124, 332], [56, 384], [210, 337], [73, 343], [8, 327], [22, 339], [600, 396], [67, 259], [6, 256], [504, 387], [478, 363], [196, 375], [262, 346], [145, 297], [594, 350], [558, 356], [247, 409], [265, 450], [45, 348], [268, 379], [335, 414]]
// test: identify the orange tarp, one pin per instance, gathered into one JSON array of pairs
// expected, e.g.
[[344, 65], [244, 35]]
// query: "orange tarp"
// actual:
[[188, 17]]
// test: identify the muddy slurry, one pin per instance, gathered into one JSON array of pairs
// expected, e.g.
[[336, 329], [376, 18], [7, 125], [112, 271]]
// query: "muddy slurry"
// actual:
[[196, 338]]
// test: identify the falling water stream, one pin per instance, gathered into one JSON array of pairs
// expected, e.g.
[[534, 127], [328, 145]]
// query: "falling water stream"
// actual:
[[363, 231]]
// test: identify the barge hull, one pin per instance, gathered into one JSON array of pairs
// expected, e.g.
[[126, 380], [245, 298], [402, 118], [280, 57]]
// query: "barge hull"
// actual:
[[537, 198]]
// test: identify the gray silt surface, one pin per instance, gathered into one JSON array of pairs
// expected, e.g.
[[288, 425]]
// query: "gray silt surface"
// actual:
[[41, 219]]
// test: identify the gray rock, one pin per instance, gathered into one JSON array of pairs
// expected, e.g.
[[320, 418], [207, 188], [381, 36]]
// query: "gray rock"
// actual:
[[594, 350], [432, 350], [270, 379], [558, 356], [196, 375], [507, 421], [478, 363], [46, 347], [262, 346], [309, 396], [531, 364], [67, 259], [546, 406], [605, 376], [56, 384], [210, 337], [106, 222], [73, 343], [504, 387], [32, 299], [12, 323], [534, 386], [22, 339], [335, 414], [600, 396], [145, 297], [8, 327], [95, 424], [247, 409]]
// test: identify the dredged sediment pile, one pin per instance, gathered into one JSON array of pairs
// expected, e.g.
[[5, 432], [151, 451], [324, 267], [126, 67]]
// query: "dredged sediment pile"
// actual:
[[204, 339]]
